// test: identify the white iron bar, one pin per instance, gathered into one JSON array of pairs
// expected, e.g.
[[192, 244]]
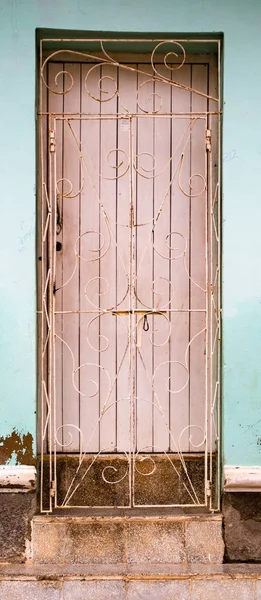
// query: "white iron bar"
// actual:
[[209, 276], [50, 367], [134, 40], [208, 155], [72, 116], [219, 294], [45, 325], [147, 311]]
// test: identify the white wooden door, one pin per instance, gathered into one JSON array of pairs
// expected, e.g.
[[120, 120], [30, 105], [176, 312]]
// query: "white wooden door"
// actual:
[[131, 233]]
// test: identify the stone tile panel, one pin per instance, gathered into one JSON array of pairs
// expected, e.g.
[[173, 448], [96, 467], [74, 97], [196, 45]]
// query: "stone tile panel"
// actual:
[[156, 542], [158, 590], [220, 589], [30, 590], [204, 541]]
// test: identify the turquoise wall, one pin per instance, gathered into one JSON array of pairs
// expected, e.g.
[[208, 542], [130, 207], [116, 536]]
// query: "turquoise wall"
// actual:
[[240, 22]]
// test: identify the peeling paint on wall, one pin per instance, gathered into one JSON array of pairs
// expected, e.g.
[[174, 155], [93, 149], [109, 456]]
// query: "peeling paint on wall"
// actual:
[[17, 449]]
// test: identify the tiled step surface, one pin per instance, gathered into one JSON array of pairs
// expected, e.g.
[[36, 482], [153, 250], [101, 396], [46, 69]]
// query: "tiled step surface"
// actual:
[[127, 540], [223, 582]]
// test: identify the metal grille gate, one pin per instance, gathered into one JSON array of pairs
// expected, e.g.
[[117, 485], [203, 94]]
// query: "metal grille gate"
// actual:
[[130, 280]]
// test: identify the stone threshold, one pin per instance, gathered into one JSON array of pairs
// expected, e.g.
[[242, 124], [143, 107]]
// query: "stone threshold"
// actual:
[[151, 572], [131, 515], [123, 540]]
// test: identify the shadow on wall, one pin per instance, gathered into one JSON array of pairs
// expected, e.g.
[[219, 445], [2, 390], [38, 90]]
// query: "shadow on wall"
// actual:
[[17, 449]]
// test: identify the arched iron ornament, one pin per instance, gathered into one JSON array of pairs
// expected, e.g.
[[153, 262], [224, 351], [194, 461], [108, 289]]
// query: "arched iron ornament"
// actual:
[[145, 319]]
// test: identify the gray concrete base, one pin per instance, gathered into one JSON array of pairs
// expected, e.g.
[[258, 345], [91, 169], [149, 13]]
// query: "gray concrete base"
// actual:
[[127, 540], [16, 512], [153, 582], [242, 526]]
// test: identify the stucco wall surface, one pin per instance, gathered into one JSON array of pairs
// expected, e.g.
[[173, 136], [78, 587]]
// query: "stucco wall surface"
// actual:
[[240, 23]]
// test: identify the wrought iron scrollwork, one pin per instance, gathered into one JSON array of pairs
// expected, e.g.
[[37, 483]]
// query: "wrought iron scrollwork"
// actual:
[[133, 326]]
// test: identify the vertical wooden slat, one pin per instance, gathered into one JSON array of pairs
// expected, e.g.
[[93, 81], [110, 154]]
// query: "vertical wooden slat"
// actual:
[[127, 99], [89, 265], [144, 268], [180, 238], [161, 296], [41, 261], [108, 144], [71, 170], [198, 264], [55, 105], [213, 251]]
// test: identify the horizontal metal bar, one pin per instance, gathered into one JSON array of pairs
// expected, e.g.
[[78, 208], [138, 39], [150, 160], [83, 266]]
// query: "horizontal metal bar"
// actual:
[[69, 506], [115, 116], [90, 57], [143, 311], [157, 40]]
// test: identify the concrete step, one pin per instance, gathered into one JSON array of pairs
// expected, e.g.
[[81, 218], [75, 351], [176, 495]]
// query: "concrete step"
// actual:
[[148, 582], [109, 540]]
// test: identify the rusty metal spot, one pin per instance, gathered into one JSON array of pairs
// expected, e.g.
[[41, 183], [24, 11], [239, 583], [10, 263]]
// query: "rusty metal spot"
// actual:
[[17, 446]]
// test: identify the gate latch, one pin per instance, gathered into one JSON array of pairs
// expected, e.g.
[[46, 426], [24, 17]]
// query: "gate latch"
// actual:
[[146, 324], [51, 141], [208, 140], [52, 489]]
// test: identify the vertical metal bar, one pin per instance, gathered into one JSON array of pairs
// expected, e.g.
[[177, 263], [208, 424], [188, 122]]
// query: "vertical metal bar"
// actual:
[[61, 207], [99, 288], [41, 374], [50, 314], [219, 275], [45, 218], [43, 204], [53, 176], [117, 124], [132, 318], [210, 312], [170, 265], [40, 98], [208, 461], [79, 274], [189, 254], [134, 154], [153, 274]]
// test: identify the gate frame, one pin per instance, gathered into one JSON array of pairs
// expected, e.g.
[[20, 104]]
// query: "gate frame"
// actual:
[[47, 196]]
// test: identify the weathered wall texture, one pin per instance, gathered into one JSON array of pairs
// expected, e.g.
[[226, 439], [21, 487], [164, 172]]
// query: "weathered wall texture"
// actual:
[[16, 512], [17, 449], [242, 527], [240, 22]]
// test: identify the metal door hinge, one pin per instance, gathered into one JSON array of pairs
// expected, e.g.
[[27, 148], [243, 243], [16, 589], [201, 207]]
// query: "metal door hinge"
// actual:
[[52, 489], [208, 488], [51, 141], [208, 140]]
